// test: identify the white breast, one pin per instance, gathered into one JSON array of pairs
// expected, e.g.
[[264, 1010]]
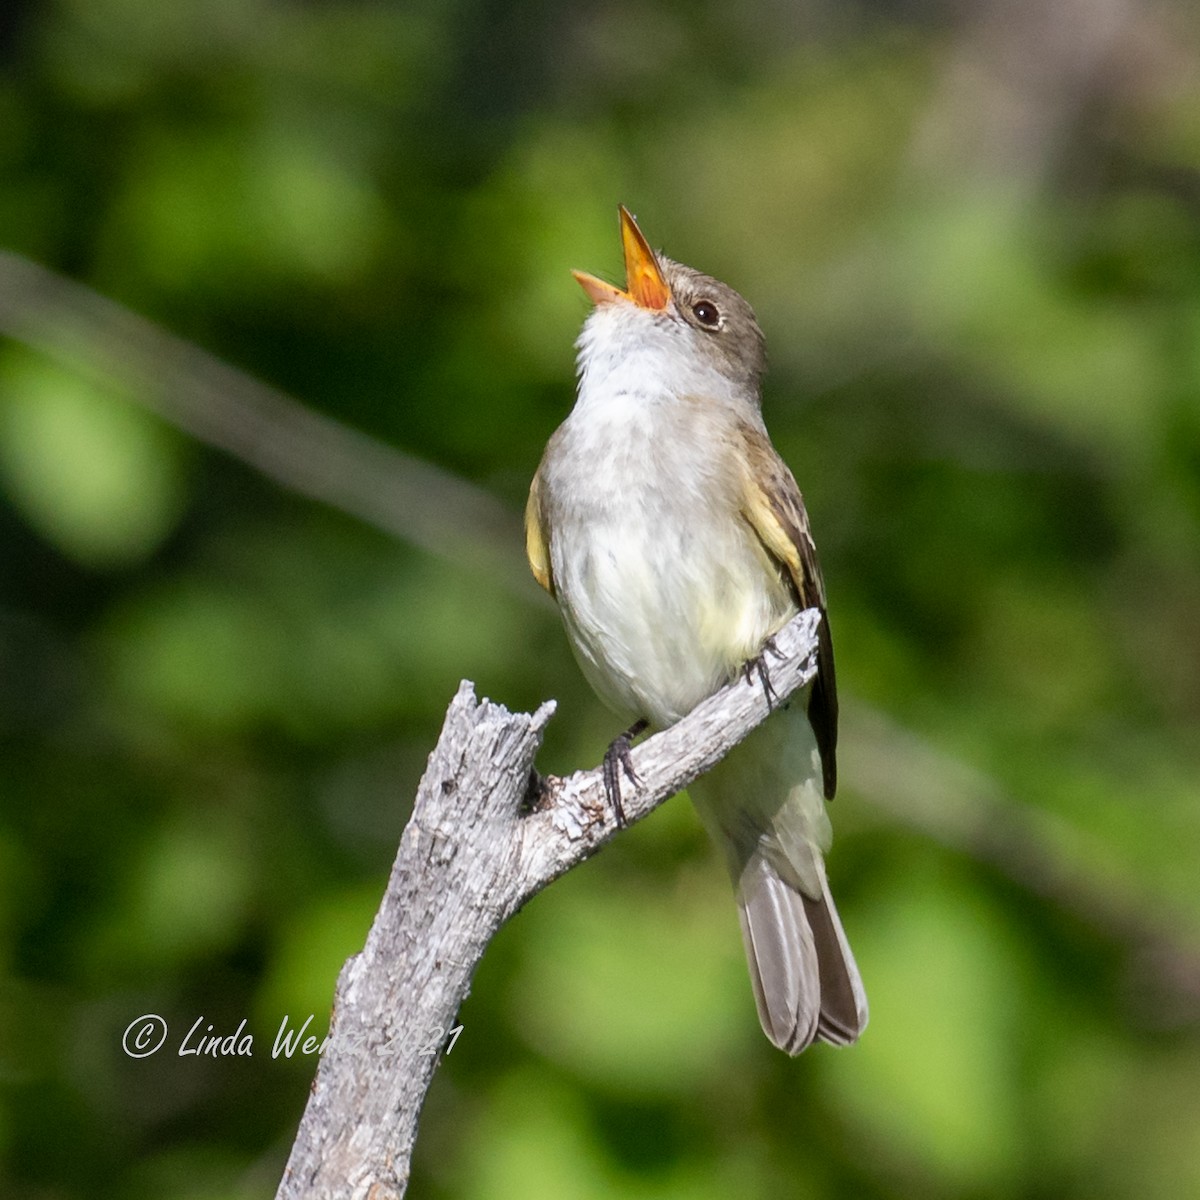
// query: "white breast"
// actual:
[[664, 588]]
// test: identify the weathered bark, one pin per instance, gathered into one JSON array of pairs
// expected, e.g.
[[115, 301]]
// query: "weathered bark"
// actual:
[[482, 840]]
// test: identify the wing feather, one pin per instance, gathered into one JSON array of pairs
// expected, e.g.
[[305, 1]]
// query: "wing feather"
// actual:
[[537, 542], [774, 508]]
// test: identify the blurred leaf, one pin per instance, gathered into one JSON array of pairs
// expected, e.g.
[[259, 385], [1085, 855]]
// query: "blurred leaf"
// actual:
[[646, 1000], [548, 1143], [224, 209], [308, 634], [185, 896], [97, 476], [936, 1074]]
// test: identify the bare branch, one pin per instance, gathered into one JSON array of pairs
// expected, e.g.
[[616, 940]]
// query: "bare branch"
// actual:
[[471, 855]]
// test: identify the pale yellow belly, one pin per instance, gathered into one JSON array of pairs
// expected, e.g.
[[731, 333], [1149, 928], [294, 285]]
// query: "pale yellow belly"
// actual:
[[661, 614]]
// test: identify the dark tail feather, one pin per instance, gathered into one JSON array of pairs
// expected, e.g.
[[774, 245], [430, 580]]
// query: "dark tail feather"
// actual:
[[844, 1011], [805, 980]]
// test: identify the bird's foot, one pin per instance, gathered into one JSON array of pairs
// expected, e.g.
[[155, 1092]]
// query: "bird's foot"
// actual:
[[617, 758], [756, 667]]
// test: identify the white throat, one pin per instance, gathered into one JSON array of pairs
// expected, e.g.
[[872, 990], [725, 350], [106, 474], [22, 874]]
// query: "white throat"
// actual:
[[628, 353]]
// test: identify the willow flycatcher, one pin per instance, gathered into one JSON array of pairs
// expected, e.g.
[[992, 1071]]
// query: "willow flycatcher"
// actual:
[[675, 540]]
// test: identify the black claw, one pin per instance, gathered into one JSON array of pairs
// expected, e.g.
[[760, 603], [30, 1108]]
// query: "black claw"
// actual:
[[769, 647], [617, 758], [757, 666]]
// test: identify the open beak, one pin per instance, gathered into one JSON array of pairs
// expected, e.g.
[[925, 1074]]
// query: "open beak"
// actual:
[[644, 282]]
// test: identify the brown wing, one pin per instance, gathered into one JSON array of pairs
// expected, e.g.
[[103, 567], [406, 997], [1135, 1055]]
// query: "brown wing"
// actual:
[[537, 543], [772, 504]]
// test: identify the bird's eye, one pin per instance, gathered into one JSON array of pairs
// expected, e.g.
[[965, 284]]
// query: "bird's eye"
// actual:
[[706, 313]]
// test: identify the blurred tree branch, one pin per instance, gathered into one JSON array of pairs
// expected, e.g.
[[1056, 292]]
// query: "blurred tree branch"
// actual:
[[1018, 78], [298, 448], [965, 810], [472, 854]]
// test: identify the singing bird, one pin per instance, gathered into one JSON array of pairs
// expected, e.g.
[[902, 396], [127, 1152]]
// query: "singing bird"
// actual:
[[675, 541]]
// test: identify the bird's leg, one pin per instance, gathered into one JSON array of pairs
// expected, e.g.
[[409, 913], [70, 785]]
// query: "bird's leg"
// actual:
[[617, 758], [757, 666]]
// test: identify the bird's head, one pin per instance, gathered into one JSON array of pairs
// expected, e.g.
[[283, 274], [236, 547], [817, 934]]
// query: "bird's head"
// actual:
[[693, 330]]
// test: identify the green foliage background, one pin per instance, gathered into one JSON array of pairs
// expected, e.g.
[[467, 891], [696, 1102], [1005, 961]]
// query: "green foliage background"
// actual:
[[972, 234]]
